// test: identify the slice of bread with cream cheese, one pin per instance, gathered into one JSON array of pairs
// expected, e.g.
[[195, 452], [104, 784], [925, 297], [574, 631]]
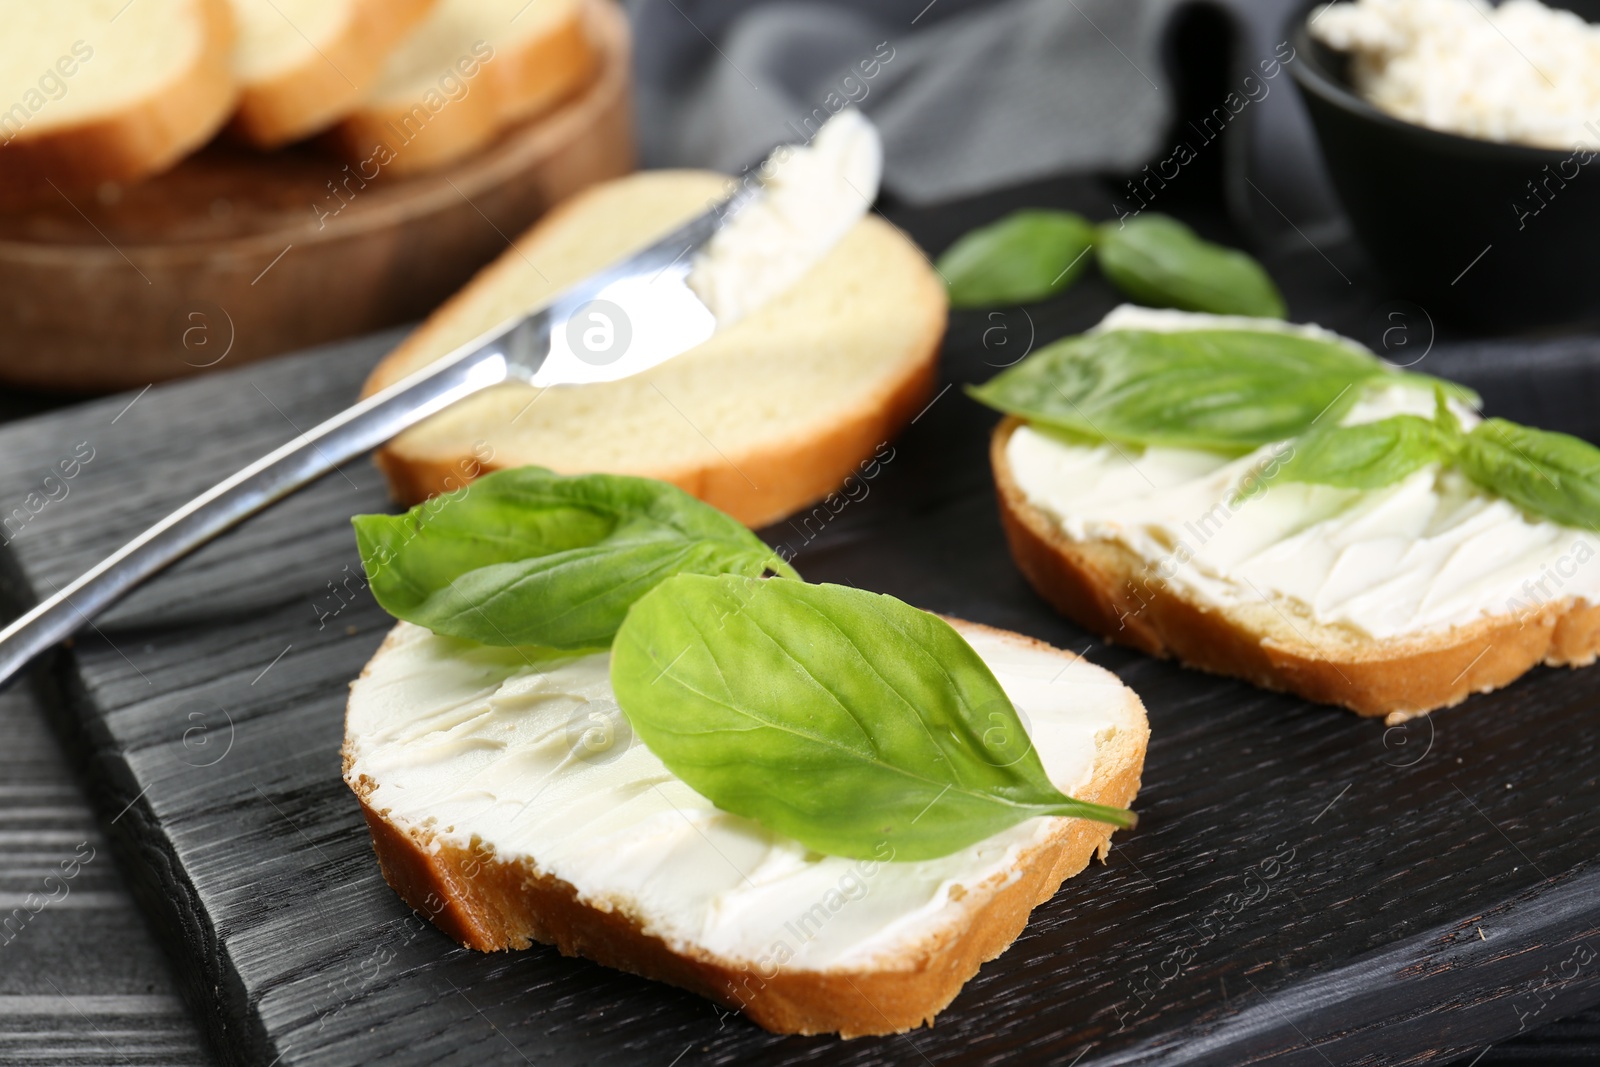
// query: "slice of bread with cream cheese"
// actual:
[[511, 804], [1390, 601]]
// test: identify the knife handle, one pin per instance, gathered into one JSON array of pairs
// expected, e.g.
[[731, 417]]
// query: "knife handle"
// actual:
[[309, 456]]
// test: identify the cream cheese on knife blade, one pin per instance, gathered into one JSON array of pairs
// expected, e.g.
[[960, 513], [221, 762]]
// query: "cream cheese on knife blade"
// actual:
[[812, 196], [1430, 552]]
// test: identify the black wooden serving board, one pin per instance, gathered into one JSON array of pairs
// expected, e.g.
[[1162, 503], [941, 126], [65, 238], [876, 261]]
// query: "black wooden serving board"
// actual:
[[1304, 887]]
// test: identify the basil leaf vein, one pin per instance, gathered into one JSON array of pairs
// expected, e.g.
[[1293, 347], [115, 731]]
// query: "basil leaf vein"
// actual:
[[529, 557], [847, 720], [1551, 474], [1368, 455]]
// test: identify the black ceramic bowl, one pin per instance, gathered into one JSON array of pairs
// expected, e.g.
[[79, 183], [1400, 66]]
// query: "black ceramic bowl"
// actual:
[[1493, 236]]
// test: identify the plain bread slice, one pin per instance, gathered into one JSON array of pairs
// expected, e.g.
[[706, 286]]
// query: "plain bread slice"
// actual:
[[304, 64], [769, 415]]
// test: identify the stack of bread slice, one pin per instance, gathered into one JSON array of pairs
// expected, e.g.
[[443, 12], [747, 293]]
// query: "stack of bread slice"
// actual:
[[302, 64], [106, 90], [472, 68]]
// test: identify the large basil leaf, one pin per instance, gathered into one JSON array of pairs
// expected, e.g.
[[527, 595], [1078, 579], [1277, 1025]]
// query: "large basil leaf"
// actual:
[[1220, 390], [845, 719], [1368, 455], [1553, 475], [1158, 260], [1028, 255], [529, 557]]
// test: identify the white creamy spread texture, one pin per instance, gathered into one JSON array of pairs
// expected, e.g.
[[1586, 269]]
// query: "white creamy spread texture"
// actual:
[[812, 196], [1520, 72], [1426, 553], [476, 744]]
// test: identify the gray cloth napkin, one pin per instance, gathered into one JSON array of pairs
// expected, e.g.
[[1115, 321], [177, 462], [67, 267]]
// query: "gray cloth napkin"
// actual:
[[969, 95]]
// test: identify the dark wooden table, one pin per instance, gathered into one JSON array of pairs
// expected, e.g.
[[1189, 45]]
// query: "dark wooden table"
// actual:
[[86, 981]]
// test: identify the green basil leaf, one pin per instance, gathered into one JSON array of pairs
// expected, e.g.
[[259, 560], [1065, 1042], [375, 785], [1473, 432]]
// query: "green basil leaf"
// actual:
[[1157, 260], [1369, 455], [845, 719], [529, 557], [1220, 390], [1028, 255], [1553, 475], [1445, 423]]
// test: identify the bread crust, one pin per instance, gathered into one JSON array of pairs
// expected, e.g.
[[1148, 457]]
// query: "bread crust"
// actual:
[[328, 83], [149, 135], [520, 83], [1110, 590], [489, 904]]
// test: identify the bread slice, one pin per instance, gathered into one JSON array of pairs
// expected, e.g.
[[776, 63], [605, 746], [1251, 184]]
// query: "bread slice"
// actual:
[[1105, 587], [765, 417], [488, 816], [472, 68], [103, 90], [302, 64]]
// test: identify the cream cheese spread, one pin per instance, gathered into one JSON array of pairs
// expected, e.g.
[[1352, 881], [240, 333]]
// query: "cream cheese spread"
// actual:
[[1426, 553], [1519, 72], [811, 196], [476, 744]]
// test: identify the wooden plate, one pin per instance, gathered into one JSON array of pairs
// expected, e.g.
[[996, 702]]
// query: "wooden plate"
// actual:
[[1304, 888], [236, 255]]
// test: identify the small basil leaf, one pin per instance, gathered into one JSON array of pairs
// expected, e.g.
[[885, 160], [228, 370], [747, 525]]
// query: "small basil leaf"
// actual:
[[1446, 425], [1157, 260], [1221, 390], [1443, 388], [845, 719], [1028, 255], [1552, 475], [1368, 455], [528, 557]]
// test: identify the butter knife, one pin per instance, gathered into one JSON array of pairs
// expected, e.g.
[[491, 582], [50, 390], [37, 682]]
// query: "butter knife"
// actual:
[[633, 315]]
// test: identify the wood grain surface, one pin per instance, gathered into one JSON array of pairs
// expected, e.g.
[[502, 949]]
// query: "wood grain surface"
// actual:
[[1304, 887], [82, 979], [236, 254]]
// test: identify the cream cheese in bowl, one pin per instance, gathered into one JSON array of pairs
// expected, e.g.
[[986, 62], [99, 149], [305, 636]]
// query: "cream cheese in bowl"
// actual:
[[1520, 72]]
